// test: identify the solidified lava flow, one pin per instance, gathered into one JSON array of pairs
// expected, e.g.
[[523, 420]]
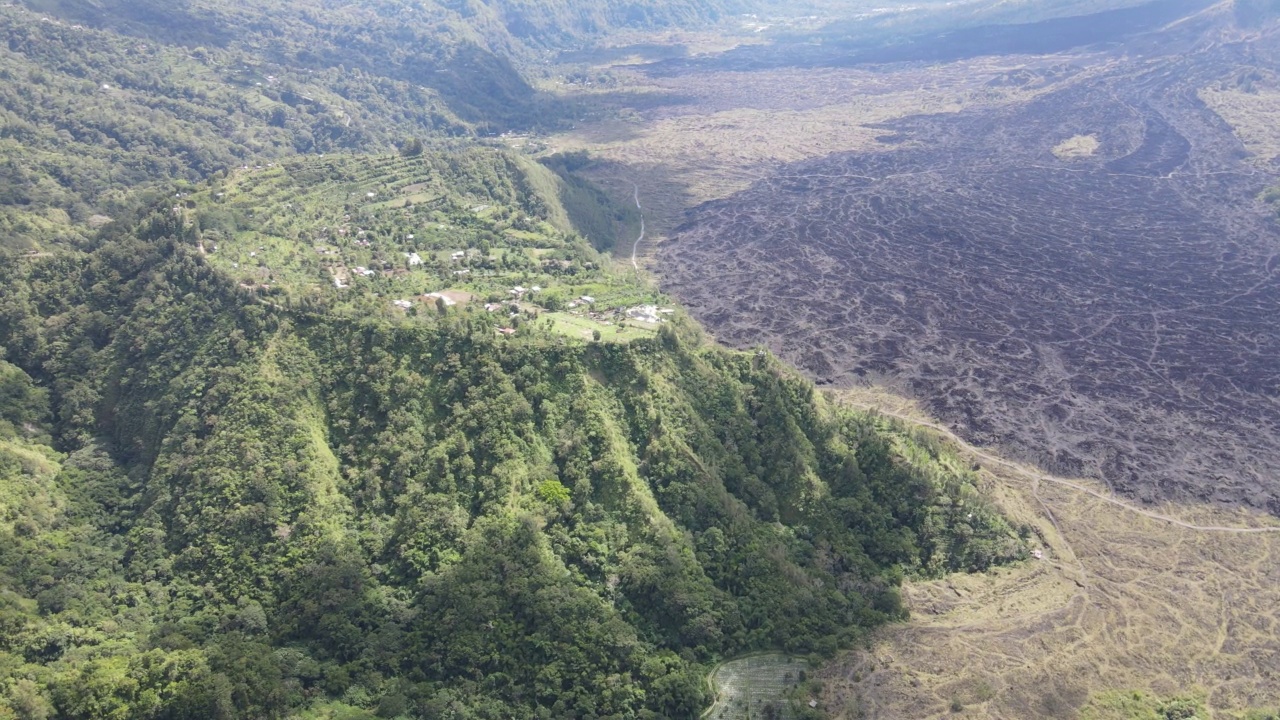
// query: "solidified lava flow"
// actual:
[[1116, 316]]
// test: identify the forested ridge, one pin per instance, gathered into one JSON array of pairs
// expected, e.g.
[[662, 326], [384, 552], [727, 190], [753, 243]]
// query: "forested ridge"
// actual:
[[101, 99], [92, 115], [215, 504]]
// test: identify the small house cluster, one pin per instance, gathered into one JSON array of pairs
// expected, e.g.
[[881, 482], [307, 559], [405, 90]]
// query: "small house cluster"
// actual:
[[644, 313], [518, 292]]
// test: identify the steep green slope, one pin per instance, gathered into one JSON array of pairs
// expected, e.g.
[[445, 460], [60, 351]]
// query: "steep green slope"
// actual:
[[91, 115], [259, 511], [459, 52]]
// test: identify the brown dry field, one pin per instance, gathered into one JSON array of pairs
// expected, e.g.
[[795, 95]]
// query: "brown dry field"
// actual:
[[1124, 598]]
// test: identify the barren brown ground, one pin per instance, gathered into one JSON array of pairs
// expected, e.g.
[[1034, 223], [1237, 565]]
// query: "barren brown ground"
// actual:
[[1121, 599]]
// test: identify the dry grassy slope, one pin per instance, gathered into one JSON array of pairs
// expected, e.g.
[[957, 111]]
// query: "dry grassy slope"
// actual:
[[1120, 600], [1252, 115]]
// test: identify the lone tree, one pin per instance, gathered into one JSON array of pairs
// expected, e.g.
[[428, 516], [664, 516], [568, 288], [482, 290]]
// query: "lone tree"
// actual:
[[411, 148]]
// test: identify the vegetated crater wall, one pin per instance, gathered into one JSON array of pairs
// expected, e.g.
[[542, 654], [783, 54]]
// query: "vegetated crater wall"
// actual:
[[1116, 316]]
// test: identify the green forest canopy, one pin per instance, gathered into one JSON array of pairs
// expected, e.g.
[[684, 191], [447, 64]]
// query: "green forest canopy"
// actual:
[[98, 99], [216, 506]]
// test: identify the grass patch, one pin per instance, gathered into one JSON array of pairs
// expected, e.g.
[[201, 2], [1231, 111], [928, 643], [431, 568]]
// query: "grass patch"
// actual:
[[581, 327], [1079, 146], [1136, 705]]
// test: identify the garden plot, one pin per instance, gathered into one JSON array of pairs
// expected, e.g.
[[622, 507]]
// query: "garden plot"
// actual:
[[754, 687]]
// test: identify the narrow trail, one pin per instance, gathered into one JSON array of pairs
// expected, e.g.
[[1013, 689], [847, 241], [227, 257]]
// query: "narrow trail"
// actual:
[[718, 698], [1036, 476], [635, 247]]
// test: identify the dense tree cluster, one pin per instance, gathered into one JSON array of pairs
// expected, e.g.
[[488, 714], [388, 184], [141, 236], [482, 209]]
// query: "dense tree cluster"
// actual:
[[216, 506]]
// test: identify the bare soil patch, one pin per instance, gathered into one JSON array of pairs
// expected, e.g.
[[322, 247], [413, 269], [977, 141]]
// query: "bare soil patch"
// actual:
[[1252, 115], [746, 687]]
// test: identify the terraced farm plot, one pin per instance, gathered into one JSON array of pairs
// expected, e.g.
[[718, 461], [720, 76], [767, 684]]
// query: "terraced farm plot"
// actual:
[[392, 226], [753, 688]]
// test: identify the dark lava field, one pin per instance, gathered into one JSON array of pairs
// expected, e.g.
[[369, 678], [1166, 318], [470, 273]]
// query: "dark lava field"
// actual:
[[1115, 316]]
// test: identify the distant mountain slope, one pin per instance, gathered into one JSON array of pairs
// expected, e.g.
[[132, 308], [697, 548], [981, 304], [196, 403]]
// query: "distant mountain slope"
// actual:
[[103, 96], [541, 22], [555, 23], [90, 115]]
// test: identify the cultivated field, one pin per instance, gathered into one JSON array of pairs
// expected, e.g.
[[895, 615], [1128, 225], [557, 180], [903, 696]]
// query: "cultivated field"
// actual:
[[752, 688], [582, 327]]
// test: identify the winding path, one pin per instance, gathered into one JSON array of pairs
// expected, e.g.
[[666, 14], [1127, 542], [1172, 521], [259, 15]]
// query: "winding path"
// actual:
[[635, 247]]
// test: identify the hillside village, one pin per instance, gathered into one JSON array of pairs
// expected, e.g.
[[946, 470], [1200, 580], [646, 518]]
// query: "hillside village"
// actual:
[[425, 236]]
